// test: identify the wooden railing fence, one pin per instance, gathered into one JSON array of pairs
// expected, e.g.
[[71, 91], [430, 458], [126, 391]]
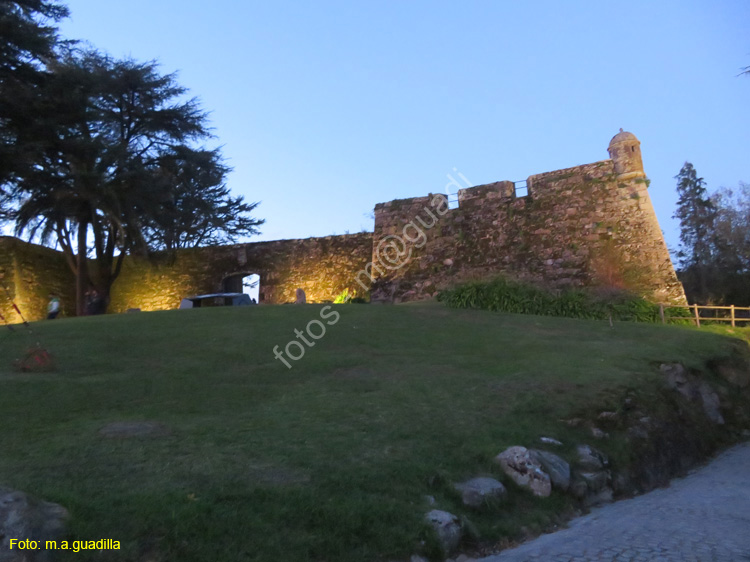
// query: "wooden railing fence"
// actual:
[[731, 316]]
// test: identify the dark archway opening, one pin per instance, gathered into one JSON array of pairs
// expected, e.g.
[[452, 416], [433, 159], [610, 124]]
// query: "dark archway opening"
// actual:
[[248, 283]]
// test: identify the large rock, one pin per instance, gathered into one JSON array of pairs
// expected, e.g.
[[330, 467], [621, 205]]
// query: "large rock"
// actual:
[[557, 468], [603, 496], [447, 528], [591, 478], [734, 374], [622, 483], [25, 517], [677, 378], [477, 491], [592, 487], [595, 481], [693, 389], [711, 403], [578, 488], [598, 433], [526, 472], [591, 460]]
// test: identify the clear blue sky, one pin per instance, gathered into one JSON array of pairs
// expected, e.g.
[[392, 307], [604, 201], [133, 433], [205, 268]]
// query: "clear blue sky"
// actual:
[[326, 108]]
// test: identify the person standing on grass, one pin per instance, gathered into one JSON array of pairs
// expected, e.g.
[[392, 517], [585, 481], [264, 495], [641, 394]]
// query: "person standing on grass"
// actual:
[[53, 308]]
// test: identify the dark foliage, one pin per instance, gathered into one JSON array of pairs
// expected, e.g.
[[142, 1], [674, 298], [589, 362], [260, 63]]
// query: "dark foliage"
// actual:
[[28, 38], [197, 208], [697, 215], [503, 295], [110, 165], [714, 254], [727, 275]]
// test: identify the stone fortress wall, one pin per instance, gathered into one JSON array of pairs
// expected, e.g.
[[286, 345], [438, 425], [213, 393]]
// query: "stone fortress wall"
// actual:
[[323, 267], [28, 273], [588, 225], [592, 224]]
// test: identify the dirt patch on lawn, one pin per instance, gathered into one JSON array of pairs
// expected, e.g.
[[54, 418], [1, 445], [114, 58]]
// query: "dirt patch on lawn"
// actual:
[[125, 429]]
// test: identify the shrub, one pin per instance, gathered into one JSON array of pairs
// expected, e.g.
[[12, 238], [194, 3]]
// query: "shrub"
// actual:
[[503, 295], [345, 297]]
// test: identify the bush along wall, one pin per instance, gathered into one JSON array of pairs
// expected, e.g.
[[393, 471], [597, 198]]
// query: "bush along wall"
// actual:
[[505, 295]]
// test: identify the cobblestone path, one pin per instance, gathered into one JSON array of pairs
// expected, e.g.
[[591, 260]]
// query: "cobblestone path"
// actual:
[[703, 517]]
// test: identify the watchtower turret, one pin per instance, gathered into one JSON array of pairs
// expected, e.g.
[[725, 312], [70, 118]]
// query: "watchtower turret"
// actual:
[[625, 151]]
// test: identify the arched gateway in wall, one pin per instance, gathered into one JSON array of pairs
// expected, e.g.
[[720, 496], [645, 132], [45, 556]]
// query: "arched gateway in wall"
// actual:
[[247, 282]]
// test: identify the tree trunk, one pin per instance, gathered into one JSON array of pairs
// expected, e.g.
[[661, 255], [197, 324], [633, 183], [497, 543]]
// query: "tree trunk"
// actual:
[[81, 271], [104, 299]]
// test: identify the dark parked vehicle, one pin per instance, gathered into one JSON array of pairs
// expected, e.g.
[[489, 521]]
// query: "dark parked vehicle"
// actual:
[[217, 299]]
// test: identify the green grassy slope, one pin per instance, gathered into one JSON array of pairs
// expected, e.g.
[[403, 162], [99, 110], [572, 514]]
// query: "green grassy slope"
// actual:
[[330, 460]]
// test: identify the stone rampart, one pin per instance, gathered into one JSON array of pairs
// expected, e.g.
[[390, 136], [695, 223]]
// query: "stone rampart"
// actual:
[[322, 267], [587, 225], [28, 274], [581, 226]]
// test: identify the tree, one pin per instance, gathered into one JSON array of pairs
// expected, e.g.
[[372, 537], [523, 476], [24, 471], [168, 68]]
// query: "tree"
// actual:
[[27, 37], [110, 152], [28, 41], [732, 231], [697, 215], [199, 210], [733, 225]]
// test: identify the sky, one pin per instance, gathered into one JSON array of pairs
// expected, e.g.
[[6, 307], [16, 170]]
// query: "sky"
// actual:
[[324, 109]]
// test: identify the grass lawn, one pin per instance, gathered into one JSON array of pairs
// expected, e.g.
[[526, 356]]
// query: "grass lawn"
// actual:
[[328, 461]]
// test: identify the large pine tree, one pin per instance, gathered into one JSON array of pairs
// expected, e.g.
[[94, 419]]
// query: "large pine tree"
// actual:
[[28, 38], [115, 161], [697, 215]]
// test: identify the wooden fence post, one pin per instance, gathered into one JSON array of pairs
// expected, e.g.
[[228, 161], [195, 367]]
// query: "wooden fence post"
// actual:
[[731, 308], [697, 318], [661, 313]]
